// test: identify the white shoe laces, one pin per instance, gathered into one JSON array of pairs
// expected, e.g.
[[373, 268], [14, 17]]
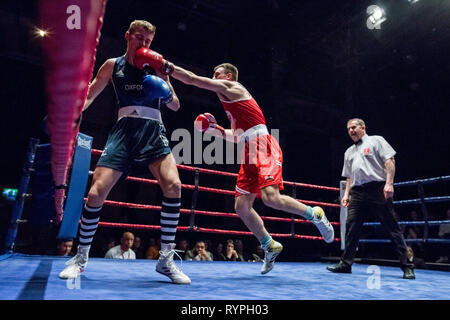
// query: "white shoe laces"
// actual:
[[170, 262], [78, 259]]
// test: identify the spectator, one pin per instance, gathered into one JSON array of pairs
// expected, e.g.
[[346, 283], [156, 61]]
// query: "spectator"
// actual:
[[123, 250], [414, 216], [190, 254], [209, 245], [231, 254], [218, 254], [258, 256], [444, 233], [108, 244], [64, 247], [444, 228], [239, 246], [418, 262], [138, 248], [182, 248], [411, 234], [153, 249], [198, 253], [398, 219], [201, 254]]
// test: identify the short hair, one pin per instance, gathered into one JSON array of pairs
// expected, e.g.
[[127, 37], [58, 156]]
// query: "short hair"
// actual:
[[358, 121], [126, 233], [61, 241], [136, 24], [229, 68]]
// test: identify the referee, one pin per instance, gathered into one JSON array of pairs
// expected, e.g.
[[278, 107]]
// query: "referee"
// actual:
[[369, 168]]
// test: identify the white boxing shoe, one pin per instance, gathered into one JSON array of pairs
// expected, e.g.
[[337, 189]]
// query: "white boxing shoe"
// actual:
[[322, 223], [76, 265], [167, 266], [270, 254]]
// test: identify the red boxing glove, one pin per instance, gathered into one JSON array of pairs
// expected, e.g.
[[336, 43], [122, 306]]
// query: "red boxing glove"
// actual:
[[145, 57], [206, 121]]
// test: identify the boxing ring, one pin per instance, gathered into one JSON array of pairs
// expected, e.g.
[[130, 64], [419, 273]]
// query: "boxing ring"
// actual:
[[35, 277]]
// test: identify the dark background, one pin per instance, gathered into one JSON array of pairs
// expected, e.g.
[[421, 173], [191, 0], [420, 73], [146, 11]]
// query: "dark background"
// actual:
[[310, 64]]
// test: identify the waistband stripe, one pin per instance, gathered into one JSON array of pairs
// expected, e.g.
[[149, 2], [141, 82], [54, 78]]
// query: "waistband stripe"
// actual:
[[254, 132], [140, 112]]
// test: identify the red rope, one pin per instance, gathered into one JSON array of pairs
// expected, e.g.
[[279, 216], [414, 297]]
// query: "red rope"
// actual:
[[325, 204], [202, 170], [130, 226], [96, 152], [230, 174], [207, 230], [201, 212], [215, 190], [212, 213], [184, 186], [313, 186], [227, 192]]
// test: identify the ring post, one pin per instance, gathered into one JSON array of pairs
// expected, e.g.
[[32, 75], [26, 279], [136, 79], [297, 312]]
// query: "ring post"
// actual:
[[294, 195], [424, 210], [343, 213], [17, 209], [194, 200]]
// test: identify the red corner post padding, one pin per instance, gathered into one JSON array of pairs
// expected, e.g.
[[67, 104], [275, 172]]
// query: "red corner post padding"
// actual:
[[69, 57]]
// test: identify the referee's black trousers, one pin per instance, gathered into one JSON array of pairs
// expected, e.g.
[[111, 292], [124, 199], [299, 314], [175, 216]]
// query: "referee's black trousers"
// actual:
[[366, 201]]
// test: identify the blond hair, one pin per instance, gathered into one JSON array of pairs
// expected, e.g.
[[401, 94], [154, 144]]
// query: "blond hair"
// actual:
[[136, 24]]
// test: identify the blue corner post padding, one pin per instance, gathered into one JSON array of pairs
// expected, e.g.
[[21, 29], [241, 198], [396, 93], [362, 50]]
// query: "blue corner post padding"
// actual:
[[77, 187]]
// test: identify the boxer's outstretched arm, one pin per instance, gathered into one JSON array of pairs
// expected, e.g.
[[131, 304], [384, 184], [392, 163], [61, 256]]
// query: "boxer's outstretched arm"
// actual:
[[223, 87], [100, 82]]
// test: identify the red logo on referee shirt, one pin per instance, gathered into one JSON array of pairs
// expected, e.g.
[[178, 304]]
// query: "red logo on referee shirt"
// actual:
[[366, 151]]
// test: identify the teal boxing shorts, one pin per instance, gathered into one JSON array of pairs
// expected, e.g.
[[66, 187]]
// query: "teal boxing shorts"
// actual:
[[133, 144]]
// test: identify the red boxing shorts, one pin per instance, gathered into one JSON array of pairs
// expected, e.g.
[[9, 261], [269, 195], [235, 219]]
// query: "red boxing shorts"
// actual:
[[262, 160]]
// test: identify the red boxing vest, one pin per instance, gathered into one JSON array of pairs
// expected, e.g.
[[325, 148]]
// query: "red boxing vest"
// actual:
[[244, 114]]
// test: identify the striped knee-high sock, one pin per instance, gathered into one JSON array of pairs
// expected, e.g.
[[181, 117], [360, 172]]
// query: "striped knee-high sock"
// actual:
[[170, 213], [89, 223]]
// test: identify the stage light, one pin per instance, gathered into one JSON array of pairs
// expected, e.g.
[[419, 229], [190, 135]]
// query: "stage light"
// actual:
[[376, 16], [413, 1], [41, 32]]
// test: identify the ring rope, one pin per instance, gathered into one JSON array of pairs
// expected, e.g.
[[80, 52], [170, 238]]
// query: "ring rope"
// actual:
[[427, 200], [230, 174], [291, 220], [201, 212], [440, 241], [411, 223], [422, 181], [185, 186], [207, 230], [221, 191]]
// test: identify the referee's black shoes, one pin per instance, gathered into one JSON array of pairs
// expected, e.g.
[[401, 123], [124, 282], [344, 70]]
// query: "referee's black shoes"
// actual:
[[340, 267], [408, 273]]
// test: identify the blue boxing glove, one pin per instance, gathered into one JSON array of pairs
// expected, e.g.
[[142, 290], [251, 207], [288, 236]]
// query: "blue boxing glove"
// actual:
[[156, 88]]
